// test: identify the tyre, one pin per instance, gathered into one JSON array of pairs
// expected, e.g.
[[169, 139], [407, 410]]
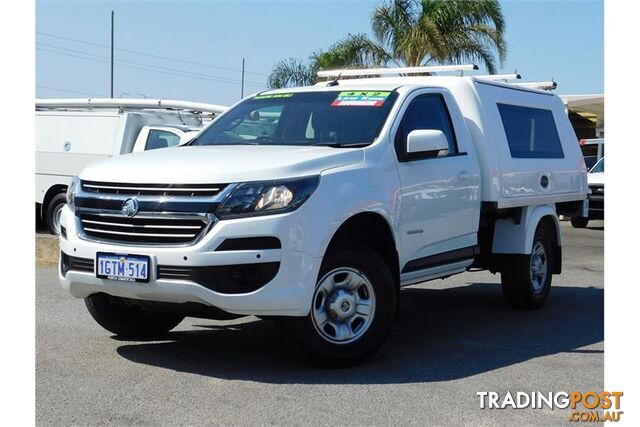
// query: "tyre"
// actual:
[[579, 222], [526, 279], [54, 210], [353, 308], [129, 320]]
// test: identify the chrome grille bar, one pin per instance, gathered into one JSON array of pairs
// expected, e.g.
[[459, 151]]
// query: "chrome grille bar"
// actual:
[[111, 187], [115, 224], [160, 190], [131, 233]]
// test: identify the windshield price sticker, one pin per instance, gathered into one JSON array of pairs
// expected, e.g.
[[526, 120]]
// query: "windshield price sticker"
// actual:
[[273, 96], [360, 99]]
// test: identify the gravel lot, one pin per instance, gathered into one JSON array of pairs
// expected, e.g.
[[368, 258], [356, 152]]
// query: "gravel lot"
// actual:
[[455, 337]]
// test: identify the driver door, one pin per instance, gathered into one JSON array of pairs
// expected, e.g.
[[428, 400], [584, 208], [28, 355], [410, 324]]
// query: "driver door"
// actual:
[[440, 196]]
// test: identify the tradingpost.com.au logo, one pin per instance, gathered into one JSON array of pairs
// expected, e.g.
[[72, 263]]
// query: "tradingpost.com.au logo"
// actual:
[[587, 406]]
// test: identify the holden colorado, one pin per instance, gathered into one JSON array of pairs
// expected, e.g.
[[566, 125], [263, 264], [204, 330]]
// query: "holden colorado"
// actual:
[[314, 206]]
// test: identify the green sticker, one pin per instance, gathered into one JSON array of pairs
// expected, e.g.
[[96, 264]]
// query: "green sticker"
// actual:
[[273, 95], [360, 99]]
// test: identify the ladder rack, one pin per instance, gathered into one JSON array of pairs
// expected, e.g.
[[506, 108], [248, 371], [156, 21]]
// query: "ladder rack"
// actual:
[[396, 70], [499, 77], [119, 103], [550, 85], [428, 70]]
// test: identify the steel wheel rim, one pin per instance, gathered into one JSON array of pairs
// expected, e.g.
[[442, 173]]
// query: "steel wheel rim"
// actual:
[[539, 267], [343, 305], [55, 219]]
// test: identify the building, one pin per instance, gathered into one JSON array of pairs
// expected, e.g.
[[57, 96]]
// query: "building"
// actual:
[[586, 113]]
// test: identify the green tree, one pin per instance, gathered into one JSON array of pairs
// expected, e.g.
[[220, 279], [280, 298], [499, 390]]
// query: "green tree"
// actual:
[[292, 72], [353, 51], [412, 33]]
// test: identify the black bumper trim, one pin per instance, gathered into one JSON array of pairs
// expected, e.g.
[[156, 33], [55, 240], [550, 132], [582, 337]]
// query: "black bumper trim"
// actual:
[[250, 244], [224, 279], [69, 263]]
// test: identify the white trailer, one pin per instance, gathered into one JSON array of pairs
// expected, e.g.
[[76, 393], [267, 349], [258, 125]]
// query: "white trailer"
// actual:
[[71, 133]]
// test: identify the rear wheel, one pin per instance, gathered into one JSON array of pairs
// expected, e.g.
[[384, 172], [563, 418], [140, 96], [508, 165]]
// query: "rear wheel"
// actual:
[[352, 310], [579, 222], [129, 320], [54, 212], [526, 279]]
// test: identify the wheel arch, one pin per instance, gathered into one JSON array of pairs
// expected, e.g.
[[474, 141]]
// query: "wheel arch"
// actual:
[[51, 192], [516, 237], [374, 230]]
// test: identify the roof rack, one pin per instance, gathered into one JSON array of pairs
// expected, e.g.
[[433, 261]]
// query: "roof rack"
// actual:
[[396, 70], [496, 77], [131, 103], [403, 71], [550, 85]]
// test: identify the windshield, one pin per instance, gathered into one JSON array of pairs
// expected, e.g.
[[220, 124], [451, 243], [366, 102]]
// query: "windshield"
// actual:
[[599, 167], [337, 119]]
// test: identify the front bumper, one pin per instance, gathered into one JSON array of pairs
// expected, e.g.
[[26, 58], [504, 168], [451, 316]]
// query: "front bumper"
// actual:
[[289, 293]]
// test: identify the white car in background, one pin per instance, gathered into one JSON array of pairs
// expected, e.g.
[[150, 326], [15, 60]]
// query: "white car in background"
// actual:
[[595, 178], [154, 137]]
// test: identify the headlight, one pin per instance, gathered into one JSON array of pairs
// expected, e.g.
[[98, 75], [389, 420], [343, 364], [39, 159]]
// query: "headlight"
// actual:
[[267, 197], [71, 193]]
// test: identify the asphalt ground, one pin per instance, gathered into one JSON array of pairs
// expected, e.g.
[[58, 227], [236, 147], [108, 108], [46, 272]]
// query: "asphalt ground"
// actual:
[[455, 337]]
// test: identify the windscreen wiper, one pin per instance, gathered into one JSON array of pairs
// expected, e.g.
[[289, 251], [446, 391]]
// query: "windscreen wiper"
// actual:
[[338, 145]]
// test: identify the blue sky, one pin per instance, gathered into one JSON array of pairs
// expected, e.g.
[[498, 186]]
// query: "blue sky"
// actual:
[[207, 40]]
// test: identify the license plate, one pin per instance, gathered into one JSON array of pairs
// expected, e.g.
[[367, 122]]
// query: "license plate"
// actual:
[[127, 268]]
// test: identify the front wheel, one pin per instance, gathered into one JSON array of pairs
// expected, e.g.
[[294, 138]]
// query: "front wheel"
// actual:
[[526, 279], [54, 212], [352, 309], [128, 320]]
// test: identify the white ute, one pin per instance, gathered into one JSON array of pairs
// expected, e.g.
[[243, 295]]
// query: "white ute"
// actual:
[[313, 206]]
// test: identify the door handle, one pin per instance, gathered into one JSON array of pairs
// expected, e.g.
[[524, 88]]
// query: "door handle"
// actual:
[[464, 175]]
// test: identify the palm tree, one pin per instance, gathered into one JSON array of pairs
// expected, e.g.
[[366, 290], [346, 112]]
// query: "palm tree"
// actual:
[[416, 32], [353, 51], [292, 72]]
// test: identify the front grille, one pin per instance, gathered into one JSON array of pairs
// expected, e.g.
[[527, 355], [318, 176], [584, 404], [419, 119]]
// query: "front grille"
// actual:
[[161, 190], [140, 230]]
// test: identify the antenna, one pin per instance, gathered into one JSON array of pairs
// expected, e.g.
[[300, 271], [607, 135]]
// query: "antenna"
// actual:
[[242, 84], [334, 82], [394, 71]]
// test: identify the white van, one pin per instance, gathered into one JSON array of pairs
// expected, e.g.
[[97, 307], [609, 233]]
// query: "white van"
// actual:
[[315, 205], [71, 133]]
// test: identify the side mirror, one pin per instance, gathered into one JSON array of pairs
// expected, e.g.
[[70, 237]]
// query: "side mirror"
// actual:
[[427, 143]]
